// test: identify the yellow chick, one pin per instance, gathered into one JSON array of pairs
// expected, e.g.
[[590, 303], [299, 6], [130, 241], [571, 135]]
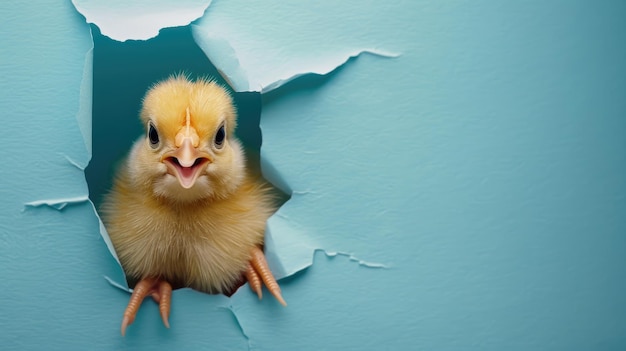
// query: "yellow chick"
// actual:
[[184, 211]]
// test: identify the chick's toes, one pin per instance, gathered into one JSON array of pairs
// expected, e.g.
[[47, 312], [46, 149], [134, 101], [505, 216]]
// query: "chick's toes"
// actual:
[[161, 292], [257, 271]]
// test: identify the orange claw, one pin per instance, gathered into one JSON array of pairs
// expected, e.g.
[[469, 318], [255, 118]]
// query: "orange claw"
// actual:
[[165, 301], [262, 270], [254, 280], [141, 290], [161, 291]]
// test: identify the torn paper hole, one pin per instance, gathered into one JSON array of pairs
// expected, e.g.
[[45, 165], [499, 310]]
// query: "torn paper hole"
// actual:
[[115, 62], [115, 121]]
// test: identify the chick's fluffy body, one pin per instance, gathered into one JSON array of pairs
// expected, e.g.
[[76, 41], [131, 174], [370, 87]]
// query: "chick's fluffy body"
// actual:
[[199, 237]]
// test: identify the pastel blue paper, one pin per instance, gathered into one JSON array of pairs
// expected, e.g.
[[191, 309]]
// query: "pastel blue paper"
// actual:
[[484, 167], [232, 34]]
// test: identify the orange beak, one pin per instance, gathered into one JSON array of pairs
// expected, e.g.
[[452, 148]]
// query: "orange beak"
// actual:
[[186, 163]]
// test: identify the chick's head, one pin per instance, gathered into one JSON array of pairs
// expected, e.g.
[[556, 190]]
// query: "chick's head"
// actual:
[[189, 151]]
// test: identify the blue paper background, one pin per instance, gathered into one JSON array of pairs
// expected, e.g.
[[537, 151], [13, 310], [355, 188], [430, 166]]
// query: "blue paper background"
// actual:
[[485, 168]]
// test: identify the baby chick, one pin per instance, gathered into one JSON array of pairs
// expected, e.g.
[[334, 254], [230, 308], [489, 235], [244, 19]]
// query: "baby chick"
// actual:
[[184, 211]]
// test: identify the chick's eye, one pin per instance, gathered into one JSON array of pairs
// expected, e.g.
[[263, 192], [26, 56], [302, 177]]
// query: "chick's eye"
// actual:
[[219, 137], [153, 136]]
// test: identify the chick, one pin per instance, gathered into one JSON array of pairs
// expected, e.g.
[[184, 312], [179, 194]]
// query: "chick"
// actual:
[[184, 211]]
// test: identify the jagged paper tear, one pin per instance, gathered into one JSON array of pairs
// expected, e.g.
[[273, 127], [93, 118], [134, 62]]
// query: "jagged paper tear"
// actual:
[[263, 78], [58, 204], [139, 20]]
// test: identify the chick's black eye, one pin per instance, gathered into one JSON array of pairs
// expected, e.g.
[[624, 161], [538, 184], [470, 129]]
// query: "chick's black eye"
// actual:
[[153, 136], [219, 137]]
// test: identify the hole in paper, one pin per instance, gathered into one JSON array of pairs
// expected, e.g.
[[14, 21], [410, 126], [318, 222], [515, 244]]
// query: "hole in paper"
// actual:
[[123, 72]]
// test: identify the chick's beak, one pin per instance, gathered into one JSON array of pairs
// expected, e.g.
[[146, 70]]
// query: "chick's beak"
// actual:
[[186, 163]]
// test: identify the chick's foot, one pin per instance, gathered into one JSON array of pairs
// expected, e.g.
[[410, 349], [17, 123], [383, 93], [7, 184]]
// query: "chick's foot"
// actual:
[[259, 272], [161, 292]]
